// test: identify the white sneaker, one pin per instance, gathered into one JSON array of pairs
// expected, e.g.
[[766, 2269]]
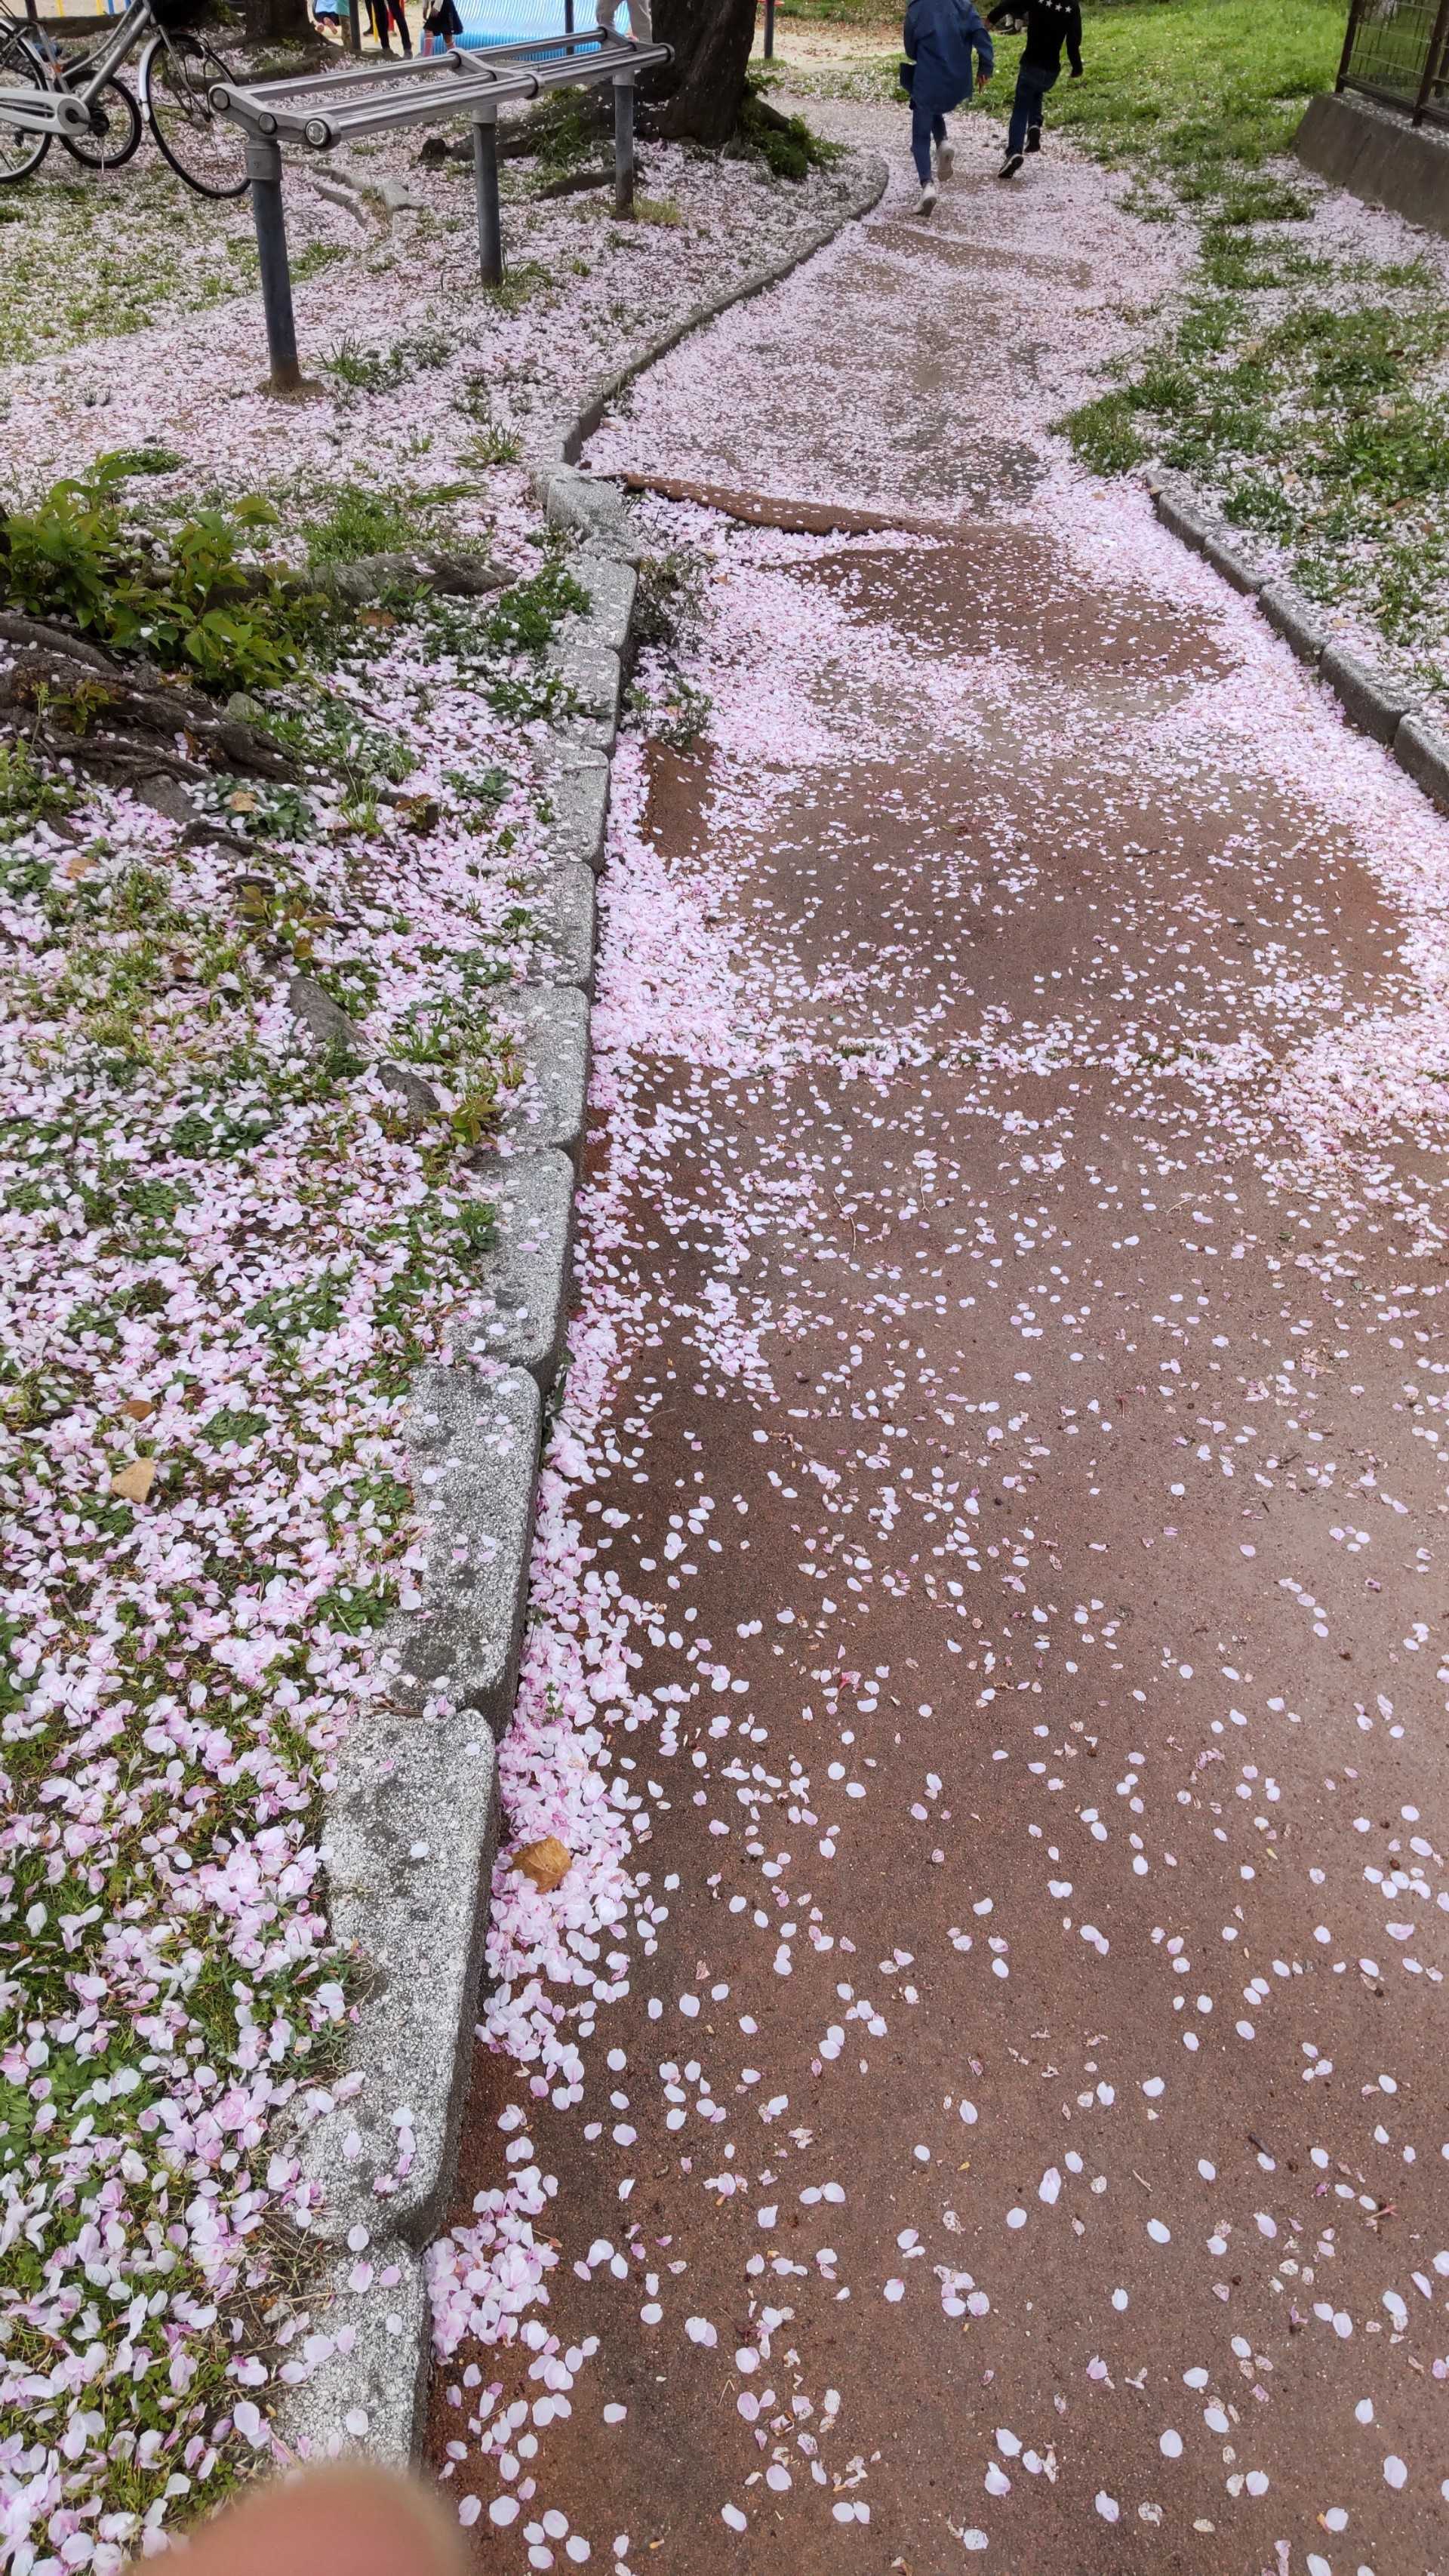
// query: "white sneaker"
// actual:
[[945, 160], [927, 205]]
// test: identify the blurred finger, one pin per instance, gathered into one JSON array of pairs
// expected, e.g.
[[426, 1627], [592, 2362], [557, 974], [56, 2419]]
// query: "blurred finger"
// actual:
[[344, 2521]]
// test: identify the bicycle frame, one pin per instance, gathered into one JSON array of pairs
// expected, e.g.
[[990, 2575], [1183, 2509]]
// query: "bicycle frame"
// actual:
[[62, 110]]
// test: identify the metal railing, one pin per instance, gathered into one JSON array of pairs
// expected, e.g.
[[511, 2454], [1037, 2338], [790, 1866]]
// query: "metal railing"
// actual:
[[1397, 51], [324, 109]]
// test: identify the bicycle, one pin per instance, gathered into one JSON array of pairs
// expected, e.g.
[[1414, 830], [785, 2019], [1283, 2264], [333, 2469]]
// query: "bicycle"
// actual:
[[96, 117]]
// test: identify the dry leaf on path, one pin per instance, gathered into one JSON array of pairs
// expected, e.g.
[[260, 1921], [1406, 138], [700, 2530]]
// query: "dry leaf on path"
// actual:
[[139, 1407], [134, 1483], [546, 1863]]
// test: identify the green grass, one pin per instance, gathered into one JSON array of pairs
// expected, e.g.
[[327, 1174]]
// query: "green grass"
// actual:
[[1198, 94], [1304, 394]]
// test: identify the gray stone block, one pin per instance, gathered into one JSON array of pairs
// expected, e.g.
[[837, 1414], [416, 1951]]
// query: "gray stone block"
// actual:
[[324, 1020], [611, 585], [473, 1446], [1295, 619], [595, 675], [522, 1311], [409, 1845], [408, 1848], [578, 790], [564, 905], [1424, 753], [1235, 566], [381, 2382], [591, 509], [1182, 518], [1368, 700], [416, 1098], [551, 1029]]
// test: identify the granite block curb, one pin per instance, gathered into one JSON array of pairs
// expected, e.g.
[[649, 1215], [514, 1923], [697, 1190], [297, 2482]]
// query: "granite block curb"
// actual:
[[411, 1828], [557, 485], [1373, 703]]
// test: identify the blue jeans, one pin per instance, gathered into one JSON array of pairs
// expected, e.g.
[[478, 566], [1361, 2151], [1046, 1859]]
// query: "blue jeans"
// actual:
[[926, 129], [1032, 84]]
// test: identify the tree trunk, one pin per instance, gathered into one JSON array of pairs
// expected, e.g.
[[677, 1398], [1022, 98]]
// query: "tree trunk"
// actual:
[[700, 95], [275, 22]]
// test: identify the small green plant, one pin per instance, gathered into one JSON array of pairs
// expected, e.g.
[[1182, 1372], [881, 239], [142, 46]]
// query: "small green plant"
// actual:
[[144, 460], [381, 371], [669, 602], [27, 795], [352, 520], [195, 607], [789, 148], [658, 210]]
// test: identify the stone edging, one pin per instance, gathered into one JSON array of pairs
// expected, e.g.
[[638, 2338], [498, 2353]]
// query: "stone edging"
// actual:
[[410, 1832], [411, 1825], [1373, 703], [564, 449]]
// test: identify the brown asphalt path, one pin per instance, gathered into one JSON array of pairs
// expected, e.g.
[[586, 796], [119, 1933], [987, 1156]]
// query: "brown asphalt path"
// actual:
[[1031, 2098]]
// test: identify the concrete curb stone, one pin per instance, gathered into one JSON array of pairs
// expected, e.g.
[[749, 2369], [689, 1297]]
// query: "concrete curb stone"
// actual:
[[1424, 752], [1367, 699], [1293, 617], [1373, 703], [551, 1029], [578, 790], [568, 905], [522, 1318], [473, 1446], [1234, 565], [411, 1828], [557, 487]]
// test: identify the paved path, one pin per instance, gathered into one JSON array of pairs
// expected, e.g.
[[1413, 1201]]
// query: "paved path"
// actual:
[[1005, 1457]]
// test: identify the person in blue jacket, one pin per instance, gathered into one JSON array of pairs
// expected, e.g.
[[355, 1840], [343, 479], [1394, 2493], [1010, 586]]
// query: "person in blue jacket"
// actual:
[[943, 41]]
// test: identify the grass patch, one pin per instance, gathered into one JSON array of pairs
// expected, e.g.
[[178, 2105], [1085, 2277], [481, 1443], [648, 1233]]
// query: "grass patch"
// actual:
[[1306, 394]]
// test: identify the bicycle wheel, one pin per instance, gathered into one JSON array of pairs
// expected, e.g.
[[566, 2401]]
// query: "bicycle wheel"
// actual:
[[205, 150], [114, 134], [20, 151]]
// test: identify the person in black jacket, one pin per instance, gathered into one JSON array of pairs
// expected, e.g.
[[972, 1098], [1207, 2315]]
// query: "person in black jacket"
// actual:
[[1050, 24]]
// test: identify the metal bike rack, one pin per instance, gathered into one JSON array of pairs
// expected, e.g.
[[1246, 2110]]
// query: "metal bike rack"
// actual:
[[324, 109]]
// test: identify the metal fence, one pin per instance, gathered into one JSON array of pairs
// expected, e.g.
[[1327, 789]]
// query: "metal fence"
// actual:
[[1397, 51]]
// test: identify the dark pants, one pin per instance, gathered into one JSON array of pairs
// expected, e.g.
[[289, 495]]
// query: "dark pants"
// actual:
[[384, 11], [926, 129], [1032, 84]]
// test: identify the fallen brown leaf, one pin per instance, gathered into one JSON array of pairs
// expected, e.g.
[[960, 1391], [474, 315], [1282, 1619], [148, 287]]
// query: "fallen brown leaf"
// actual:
[[547, 1863], [134, 1483], [139, 1407]]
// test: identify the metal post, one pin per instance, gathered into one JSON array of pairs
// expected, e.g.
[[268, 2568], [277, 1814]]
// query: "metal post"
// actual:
[[264, 169], [354, 28], [1349, 33], [568, 17], [769, 30], [624, 143], [1432, 61], [485, 176]]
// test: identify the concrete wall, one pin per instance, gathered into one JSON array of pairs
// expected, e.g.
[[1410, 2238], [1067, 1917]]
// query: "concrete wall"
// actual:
[[1379, 155]]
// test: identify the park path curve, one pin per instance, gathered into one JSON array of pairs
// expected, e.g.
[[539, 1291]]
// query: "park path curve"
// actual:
[[996, 1516]]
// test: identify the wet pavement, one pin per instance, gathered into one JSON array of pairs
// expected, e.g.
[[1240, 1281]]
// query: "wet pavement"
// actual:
[[993, 1532]]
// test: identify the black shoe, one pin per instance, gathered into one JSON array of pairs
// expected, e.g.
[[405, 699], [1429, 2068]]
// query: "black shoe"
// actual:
[[1033, 138], [1011, 165]]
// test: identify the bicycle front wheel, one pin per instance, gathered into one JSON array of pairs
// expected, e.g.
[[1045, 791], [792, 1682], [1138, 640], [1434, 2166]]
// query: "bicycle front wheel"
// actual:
[[115, 130], [20, 151], [206, 151]]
